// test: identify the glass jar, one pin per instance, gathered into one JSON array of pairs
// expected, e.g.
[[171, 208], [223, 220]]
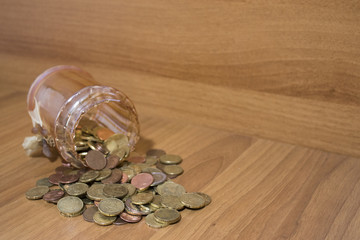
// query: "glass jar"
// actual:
[[62, 95]]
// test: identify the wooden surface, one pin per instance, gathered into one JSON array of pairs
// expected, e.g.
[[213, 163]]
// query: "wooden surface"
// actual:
[[261, 99]]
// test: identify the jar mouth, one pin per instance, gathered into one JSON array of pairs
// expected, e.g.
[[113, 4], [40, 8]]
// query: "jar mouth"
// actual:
[[114, 110]]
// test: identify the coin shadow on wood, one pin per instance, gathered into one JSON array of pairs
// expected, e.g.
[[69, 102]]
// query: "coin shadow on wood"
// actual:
[[143, 145]]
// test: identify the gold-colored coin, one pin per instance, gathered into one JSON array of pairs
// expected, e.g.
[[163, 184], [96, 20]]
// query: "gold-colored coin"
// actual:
[[171, 201], [173, 170], [103, 220], [95, 192], [151, 160], [77, 189], [131, 189], [192, 200], [142, 198], [151, 222], [105, 173], [170, 188], [115, 190], [116, 141], [167, 215], [36, 192], [156, 202], [44, 182], [111, 206], [206, 197], [70, 206], [73, 215], [89, 176], [121, 153], [130, 172], [170, 159]]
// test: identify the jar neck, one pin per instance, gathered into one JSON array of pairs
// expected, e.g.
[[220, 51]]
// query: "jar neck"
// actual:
[[113, 109]]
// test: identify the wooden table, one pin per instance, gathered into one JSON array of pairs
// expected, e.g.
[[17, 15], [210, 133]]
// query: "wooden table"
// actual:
[[261, 99]]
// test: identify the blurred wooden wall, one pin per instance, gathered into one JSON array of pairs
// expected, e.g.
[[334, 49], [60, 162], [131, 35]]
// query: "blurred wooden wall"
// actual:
[[284, 70]]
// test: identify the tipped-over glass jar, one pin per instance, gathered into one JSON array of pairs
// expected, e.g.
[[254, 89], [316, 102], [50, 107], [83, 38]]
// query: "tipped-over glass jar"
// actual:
[[61, 96]]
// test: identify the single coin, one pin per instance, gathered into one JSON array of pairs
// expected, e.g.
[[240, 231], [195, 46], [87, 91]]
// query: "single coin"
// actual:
[[112, 161], [171, 201], [151, 170], [95, 192], [206, 197], [36, 192], [159, 178], [88, 214], [151, 160], [130, 218], [145, 209], [105, 173], [173, 170], [131, 189], [104, 133], [170, 159], [73, 215], [44, 182], [142, 198], [155, 152], [77, 189], [124, 178], [53, 196], [68, 178], [116, 175], [136, 168], [119, 222], [103, 220], [192, 200], [152, 222], [121, 153], [170, 188], [95, 160], [70, 205], [167, 215], [111, 206], [137, 159], [115, 190], [89, 176], [156, 202], [142, 180], [55, 178], [116, 141]]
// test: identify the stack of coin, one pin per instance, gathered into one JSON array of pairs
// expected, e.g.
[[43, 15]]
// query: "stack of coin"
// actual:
[[116, 186]]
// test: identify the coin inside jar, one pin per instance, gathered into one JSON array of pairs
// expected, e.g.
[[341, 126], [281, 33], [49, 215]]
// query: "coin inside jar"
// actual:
[[159, 177]]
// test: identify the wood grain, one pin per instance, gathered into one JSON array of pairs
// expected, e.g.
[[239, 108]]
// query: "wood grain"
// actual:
[[287, 71], [260, 98]]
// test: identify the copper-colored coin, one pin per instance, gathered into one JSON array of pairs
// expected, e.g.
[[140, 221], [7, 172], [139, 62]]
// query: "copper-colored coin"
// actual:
[[142, 180], [69, 178], [115, 176], [95, 160], [137, 159], [54, 196], [55, 178], [155, 152], [101, 148], [130, 218], [112, 161], [124, 178], [119, 222], [104, 133], [89, 214]]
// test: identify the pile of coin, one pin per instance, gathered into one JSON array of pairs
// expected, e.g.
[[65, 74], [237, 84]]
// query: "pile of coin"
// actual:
[[117, 186]]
